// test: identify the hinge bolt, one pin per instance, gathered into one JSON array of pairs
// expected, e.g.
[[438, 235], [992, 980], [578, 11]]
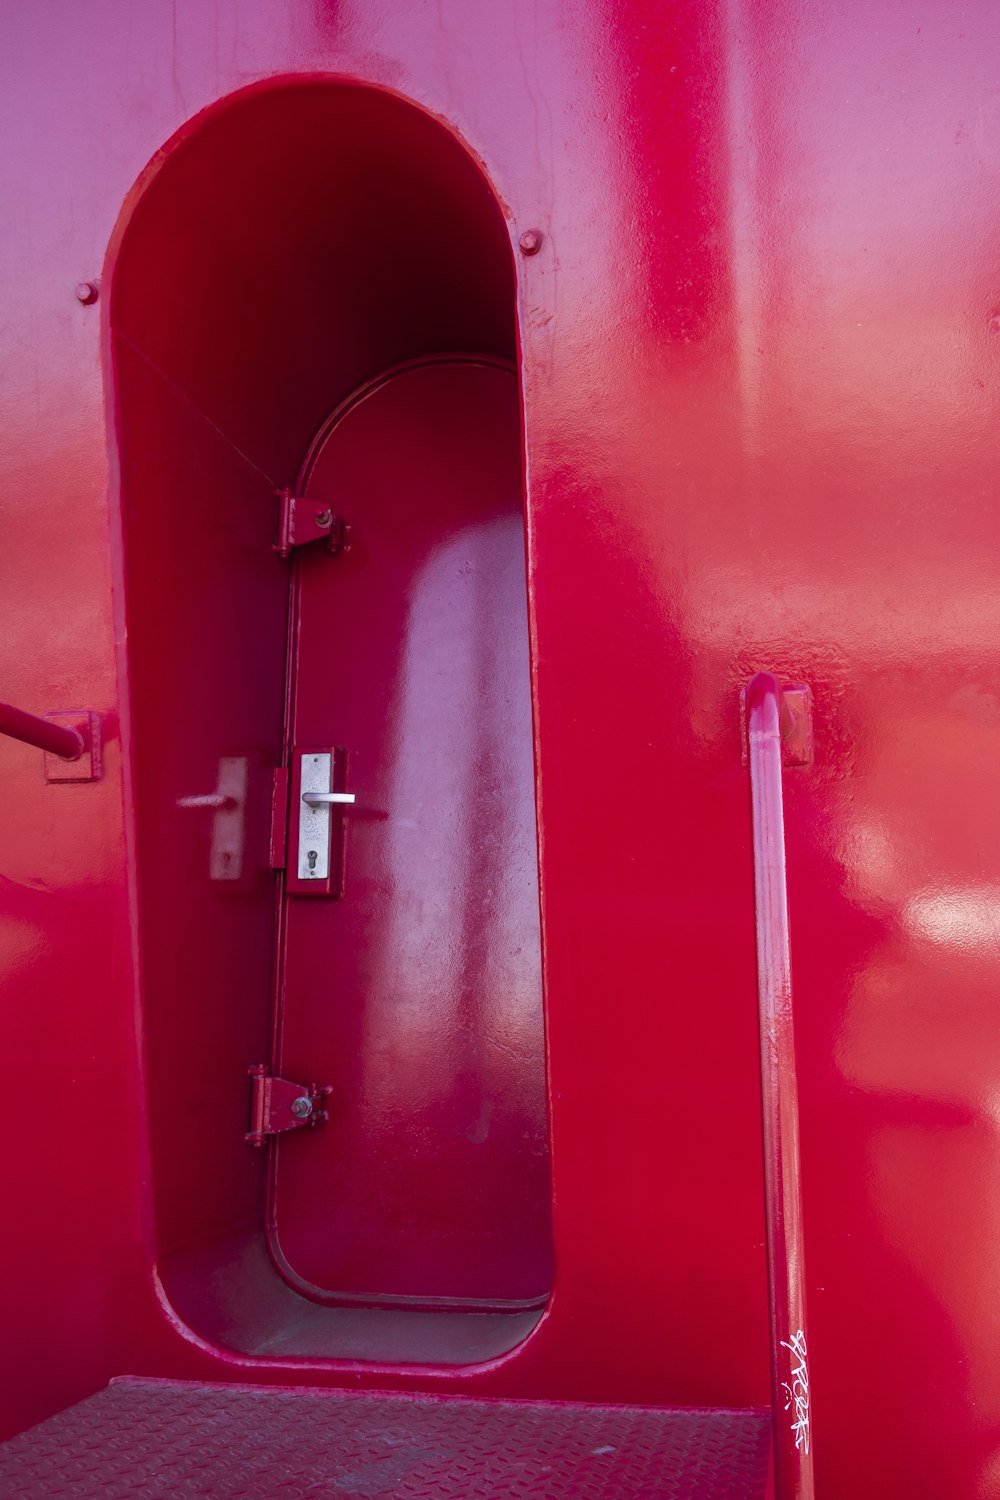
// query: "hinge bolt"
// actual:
[[302, 1107]]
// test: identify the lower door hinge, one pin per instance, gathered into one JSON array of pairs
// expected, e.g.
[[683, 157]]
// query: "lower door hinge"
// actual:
[[278, 1104], [302, 521]]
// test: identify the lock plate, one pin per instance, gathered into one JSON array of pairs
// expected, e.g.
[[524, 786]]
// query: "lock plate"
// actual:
[[315, 821], [316, 827]]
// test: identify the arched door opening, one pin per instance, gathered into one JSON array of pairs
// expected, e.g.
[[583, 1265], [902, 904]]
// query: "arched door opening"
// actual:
[[314, 293]]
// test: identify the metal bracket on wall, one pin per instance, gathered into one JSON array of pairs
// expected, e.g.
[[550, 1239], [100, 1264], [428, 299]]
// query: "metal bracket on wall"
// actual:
[[278, 1104], [796, 724], [71, 740], [302, 522], [88, 767]]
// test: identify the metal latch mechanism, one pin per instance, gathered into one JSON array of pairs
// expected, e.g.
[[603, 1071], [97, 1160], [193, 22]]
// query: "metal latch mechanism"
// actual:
[[302, 521], [318, 801], [278, 1104]]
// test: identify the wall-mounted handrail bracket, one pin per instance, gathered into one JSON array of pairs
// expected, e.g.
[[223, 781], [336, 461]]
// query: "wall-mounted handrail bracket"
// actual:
[[70, 741], [779, 732], [302, 521], [88, 765], [795, 723], [278, 1104]]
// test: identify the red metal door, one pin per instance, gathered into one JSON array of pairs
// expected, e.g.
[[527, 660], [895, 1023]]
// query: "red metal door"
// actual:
[[417, 994]]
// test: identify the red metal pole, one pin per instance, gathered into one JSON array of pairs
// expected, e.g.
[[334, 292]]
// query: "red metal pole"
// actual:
[[58, 739], [779, 1099]]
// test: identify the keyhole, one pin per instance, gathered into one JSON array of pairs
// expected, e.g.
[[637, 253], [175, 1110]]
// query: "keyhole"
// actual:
[[312, 857]]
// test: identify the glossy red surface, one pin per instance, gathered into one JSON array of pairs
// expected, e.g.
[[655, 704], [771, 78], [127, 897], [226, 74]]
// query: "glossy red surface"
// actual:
[[418, 994], [758, 349], [454, 1204]]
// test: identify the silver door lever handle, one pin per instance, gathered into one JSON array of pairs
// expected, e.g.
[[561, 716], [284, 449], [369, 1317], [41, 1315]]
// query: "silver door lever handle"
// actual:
[[318, 799]]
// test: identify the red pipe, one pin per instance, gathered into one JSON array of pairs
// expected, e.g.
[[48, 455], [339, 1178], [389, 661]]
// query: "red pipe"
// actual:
[[779, 1100], [58, 739]]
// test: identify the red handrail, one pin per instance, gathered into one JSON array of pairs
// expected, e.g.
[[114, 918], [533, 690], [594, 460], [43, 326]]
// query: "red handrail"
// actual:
[[793, 1459], [58, 739]]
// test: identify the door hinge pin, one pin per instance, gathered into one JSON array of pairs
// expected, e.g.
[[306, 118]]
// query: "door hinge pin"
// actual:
[[302, 522], [278, 1104]]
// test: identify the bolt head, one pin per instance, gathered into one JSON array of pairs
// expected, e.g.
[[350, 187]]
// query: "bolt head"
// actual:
[[302, 1107], [530, 242], [87, 292]]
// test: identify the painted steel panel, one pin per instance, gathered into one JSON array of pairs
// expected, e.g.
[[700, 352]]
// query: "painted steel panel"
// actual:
[[417, 995], [759, 349]]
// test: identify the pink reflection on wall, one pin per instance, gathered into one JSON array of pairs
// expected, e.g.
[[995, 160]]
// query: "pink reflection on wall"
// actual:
[[461, 867]]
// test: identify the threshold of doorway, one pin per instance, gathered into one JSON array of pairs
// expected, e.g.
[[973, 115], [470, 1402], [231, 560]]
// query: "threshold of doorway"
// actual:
[[229, 1294]]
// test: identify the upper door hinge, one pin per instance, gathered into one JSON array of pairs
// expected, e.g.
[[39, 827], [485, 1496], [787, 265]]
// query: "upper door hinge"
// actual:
[[302, 521]]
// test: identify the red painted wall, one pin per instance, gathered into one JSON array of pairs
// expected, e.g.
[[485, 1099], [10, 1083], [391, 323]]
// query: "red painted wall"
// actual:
[[760, 367]]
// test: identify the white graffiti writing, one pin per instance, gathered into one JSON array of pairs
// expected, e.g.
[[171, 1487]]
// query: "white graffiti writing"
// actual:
[[796, 1389]]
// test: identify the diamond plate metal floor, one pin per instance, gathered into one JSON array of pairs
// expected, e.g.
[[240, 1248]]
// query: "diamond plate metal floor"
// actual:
[[148, 1439]]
